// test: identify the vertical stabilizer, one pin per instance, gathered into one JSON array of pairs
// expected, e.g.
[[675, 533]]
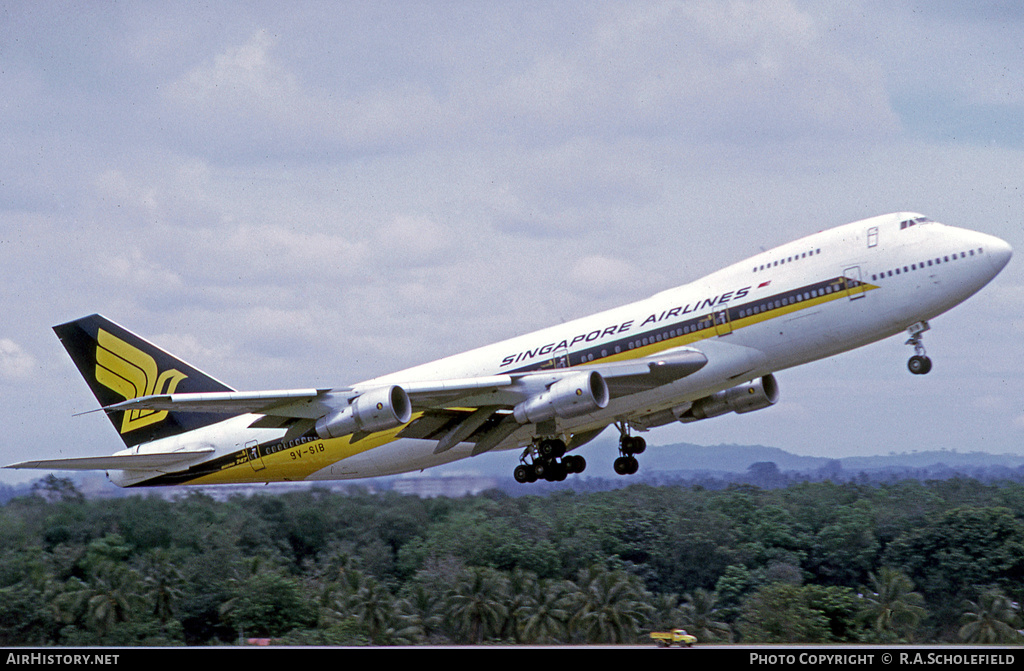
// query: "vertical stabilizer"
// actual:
[[119, 365]]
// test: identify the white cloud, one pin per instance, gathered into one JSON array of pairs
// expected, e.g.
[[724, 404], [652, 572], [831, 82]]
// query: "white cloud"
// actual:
[[15, 362], [411, 239], [247, 100], [735, 72], [244, 80], [602, 275]]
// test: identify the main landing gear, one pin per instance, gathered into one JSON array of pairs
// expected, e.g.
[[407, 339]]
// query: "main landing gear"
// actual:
[[629, 445], [548, 462], [919, 364], [546, 458]]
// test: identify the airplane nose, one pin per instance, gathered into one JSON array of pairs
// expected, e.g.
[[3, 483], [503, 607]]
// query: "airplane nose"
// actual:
[[999, 253]]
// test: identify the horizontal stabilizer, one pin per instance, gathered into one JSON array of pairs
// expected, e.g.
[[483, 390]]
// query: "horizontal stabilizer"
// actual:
[[298, 403], [118, 462]]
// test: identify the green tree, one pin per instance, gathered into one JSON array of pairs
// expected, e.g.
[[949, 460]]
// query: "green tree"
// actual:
[[107, 598], [52, 488], [476, 604], [892, 609], [699, 613], [269, 604], [422, 610], [965, 546], [162, 582], [25, 616], [613, 606], [845, 548], [779, 613], [546, 620], [993, 618], [378, 613], [521, 591]]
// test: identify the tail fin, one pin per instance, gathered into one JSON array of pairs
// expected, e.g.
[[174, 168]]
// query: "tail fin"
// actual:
[[119, 365]]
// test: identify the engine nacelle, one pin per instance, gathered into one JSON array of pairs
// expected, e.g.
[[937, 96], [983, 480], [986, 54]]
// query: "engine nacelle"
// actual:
[[374, 410], [572, 396], [755, 395]]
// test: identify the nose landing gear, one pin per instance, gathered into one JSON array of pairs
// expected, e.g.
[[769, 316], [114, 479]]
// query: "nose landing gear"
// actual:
[[919, 364]]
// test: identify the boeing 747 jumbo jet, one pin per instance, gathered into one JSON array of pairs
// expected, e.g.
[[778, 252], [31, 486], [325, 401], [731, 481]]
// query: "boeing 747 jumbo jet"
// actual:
[[684, 355]]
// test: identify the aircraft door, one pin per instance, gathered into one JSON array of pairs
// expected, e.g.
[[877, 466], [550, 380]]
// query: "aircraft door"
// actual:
[[720, 318], [853, 284], [252, 451]]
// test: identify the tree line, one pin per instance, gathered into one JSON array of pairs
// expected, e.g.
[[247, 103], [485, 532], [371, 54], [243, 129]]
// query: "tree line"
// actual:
[[919, 562]]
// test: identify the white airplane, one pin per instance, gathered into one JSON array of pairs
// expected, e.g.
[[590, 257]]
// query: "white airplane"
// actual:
[[686, 354]]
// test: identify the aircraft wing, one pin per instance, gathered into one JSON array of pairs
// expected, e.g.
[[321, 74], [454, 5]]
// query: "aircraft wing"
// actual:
[[622, 377], [451, 411]]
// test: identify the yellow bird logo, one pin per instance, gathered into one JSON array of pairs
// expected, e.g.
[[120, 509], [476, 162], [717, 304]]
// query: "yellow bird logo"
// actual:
[[131, 373]]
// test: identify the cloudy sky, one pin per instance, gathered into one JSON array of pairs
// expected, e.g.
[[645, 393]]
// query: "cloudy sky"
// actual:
[[310, 194]]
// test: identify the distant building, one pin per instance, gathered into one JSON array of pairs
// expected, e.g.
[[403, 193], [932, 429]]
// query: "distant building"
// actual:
[[450, 486]]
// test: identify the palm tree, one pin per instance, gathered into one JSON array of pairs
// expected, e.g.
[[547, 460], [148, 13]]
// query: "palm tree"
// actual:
[[373, 607], [698, 614], [108, 598], [892, 607], [613, 606], [993, 619], [666, 613], [163, 585], [476, 605], [420, 608], [521, 593], [547, 619]]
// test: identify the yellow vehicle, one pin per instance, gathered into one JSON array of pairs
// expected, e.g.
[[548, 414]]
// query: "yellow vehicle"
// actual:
[[665, 639]]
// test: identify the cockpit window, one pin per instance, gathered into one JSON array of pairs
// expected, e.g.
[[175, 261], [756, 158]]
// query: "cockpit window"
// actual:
[[907, 223]]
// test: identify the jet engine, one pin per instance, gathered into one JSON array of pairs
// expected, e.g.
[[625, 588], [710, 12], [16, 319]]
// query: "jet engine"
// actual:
[[571, 396], [374, 410], [754, 395]]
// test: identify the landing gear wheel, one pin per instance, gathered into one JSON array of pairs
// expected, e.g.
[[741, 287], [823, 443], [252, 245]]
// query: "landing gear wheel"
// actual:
[[524, 474], [626, 465], [575, 463], [919, 365], [632, 445], [557, 472], [551, 449]]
